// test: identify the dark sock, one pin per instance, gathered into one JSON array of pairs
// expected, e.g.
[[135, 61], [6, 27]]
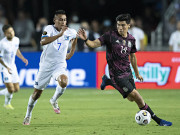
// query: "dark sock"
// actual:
[[153, 116]]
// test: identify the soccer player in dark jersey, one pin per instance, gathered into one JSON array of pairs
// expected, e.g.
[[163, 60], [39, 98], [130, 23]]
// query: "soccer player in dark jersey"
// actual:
[[120, 45]]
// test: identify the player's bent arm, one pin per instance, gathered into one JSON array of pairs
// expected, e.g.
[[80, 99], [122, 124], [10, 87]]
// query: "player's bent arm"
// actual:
[[47, 40], [93, 44], [73, 48], [2, 62], [134, 63], [19, 54]]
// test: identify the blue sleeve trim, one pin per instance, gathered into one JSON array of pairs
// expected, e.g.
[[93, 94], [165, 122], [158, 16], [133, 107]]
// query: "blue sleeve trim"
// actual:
[[44, 36]]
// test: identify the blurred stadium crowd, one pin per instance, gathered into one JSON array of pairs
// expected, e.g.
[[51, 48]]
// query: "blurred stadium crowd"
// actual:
[[29, 17]]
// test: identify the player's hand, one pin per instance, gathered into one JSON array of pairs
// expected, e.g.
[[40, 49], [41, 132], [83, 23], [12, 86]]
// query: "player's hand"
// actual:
[[25, 61], [139, 77], [68, 56], [82, 34], [9, 70], [64, 28]]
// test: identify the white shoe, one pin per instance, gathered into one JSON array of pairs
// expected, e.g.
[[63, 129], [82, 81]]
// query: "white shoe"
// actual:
[[55, 106], [26, 121]]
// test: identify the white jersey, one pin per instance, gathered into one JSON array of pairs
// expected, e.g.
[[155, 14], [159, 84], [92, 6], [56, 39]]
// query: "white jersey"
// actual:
[[138, 34], [175, 41], [54, 53], [8, 51]]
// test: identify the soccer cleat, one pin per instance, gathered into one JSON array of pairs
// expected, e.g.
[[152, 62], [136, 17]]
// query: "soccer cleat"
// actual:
[[55, 106], [26, 121], [105, 82], [8, 106], [165, 123]]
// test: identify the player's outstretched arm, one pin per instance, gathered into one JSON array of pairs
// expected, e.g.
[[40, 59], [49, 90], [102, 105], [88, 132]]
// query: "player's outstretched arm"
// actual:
[[135, 67], [47, 40], [73, 48], [19, 54], [93, 44]]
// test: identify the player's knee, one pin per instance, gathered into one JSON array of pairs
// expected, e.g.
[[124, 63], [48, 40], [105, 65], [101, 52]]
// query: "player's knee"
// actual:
[[36, 94], [16, 89], [132, 96], [63, 80], [10, 90]]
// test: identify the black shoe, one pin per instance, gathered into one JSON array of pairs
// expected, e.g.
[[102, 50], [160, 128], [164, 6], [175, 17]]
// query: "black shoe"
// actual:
[[105, 81]]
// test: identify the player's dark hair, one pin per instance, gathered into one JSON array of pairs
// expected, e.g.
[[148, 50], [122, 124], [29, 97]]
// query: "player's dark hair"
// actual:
[[60, 12], [124, 17], [5, 27]]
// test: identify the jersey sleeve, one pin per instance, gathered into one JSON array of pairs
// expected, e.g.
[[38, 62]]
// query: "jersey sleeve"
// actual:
[[47, 31], [141, 34], [104, 38], [18, 42], [1, 50], [133, 49], [74, 33]]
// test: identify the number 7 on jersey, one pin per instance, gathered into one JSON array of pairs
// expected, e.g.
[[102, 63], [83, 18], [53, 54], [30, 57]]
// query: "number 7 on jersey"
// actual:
[[59, 46]]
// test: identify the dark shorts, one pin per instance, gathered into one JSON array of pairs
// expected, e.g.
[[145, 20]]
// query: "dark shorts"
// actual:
[[124, 85]]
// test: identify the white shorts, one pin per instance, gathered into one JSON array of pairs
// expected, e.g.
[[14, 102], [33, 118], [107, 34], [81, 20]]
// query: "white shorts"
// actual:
[[43, 77], [10, 78]]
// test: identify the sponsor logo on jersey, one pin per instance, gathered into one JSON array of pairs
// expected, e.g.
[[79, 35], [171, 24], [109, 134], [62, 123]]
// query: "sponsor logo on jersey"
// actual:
[[117, 41], [124, 42]]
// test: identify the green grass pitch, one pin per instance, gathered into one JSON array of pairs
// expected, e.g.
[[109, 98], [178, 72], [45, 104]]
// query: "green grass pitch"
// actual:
[[90, 112]]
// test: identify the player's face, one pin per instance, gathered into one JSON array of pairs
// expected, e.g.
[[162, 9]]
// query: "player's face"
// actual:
[[9, 33], [60, 20], [122, 27]]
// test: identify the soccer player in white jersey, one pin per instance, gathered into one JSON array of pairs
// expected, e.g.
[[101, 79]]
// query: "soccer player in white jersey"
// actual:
[[9, 48], [55, 40]]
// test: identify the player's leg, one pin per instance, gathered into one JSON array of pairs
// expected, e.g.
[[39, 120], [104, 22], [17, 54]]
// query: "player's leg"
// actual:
[[42, 80], [60, 89], [15, 80], [9, 95], [106, 80], [8, 92], [16, 87], [127, 88], [3, 91], [31, 103], [135, 96]]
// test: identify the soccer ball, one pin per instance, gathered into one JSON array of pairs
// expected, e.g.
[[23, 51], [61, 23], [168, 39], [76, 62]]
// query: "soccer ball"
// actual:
[[143, 117]]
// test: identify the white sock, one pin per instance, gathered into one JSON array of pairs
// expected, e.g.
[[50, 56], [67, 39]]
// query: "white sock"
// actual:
[[59, 91], [107, 72], [3, 91], [8, 97], [30, 106]]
